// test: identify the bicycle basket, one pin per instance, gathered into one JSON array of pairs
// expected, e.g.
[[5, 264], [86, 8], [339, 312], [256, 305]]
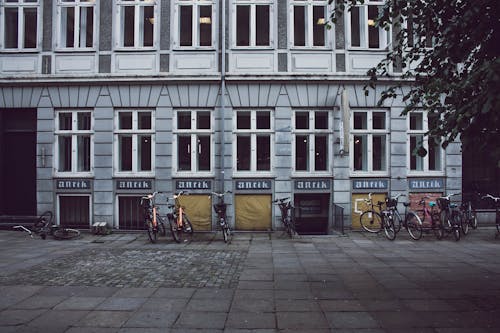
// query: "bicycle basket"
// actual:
[[443, 203], [391, 202]]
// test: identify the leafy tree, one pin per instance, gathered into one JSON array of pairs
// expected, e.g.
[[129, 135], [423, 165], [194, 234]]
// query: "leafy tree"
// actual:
[[452, 49]]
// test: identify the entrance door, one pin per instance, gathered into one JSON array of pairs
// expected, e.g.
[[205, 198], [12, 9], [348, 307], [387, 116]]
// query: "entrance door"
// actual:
[[311, 213], [17, 161]]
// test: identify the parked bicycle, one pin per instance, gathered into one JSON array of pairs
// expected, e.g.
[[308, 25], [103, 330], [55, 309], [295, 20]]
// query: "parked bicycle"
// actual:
[[220, 209], [287, 219], [430, 218], [496, 200], [153, 222], [411, 221], [375, 221], [182, 228], [44, 226], [469, 212], [450, 216]]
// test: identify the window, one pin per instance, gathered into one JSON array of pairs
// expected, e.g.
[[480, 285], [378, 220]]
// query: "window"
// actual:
[[193, 141], [74, 142], [134, 142], [253, 134], [417, 128], [76, 24], [253, 23], [312, 137], [364, 33], [19, 23], [308, 21], [195, 22], [135, 23], [369, 141]]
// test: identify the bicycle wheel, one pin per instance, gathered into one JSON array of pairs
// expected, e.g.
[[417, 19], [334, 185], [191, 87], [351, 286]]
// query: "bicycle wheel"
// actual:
[[288, 226], [437, 226], [414, 225], [43, 224], [389, 229], [152, 232], [464, 223], [473, 221], [398, 221], [456, 227], [176, 234], [226, 232], [161, 225], [371, 221], [66, 233], [187, 228]]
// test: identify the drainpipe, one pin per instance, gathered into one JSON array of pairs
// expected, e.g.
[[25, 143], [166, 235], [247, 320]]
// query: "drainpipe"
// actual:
[[222, 96]]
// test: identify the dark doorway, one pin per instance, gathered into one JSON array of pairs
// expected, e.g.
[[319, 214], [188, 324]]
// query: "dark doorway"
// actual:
[[311, 213], [18, 162]]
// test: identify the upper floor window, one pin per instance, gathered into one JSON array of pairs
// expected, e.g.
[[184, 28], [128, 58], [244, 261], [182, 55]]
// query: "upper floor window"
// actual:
[[74, 142], [312, 137], [254, 136], [193, 141], [363, 32], [134, 142], [424, 152], [19, 24], [369, 141], [308, 21], [195, 23], [76, 24], [135, 23], [252, 23]]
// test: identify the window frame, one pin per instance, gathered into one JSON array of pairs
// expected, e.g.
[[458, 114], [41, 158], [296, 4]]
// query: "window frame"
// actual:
[[369, 132], [384, 37], [309, 33], [195, 28], [311, 133], [252, 24], [135, 133], [74, 133], [253, 132], [193, 132], [119, 33], [21, 5], [425, 160], [78, 5]]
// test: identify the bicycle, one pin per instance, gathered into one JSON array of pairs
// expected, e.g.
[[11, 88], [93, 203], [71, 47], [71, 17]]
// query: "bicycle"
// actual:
[[220, 209], [182, 228], [450, 216], [496, 200], [287, 220], [469, 213], [435, 224], [411, 221], [44, 226], [374, 222], [152, 220]]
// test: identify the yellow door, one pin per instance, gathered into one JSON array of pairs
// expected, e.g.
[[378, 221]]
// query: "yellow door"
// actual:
[[358, 206], [198, 208], [253, 212]]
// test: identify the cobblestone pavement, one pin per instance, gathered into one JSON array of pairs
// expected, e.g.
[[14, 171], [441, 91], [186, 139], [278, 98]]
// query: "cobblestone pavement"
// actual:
[[260, 283]]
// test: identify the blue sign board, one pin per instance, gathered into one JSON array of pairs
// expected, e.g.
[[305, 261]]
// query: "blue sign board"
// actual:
[[135, 184], [312, 184], [253, 185], [73, 184], [193, 184], [370, 184], [426, 183]]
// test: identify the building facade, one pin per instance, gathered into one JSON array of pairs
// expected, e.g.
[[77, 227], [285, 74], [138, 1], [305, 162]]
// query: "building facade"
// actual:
[[102, 102]]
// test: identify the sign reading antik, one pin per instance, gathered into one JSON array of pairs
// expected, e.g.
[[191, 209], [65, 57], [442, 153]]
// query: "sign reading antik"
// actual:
[[193, 184], [312, 184], [370, 184], [73, 184], [133, 184], [253, 184], [426, 183]]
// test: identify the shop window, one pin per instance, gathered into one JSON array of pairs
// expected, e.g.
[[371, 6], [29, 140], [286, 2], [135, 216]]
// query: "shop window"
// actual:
[[74, 211], [252, 212], [199, 210], [359, 205], [130, 213], [424, 152], [134, 142], [195, 22], [254, 139], [74, 142], [193, 145], [369, 142], [19, 20], [312, 136], [308, 19], [136, 20], [76, 22], [312, 211], [363, 32], [253, 23]]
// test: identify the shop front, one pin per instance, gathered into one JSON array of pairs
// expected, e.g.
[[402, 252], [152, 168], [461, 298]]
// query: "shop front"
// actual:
[[128, 199], [74, 202], [253, 205], [361, 189], [312, 199], [198, 203]]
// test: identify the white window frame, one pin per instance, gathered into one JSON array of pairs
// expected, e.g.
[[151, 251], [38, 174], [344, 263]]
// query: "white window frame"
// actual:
[[309, 33], [176, 31], [311, 132], [118, 31], [253, 132], [193, 132], [21, 5], [74, 133], [78, 5], [253, 18], [384, 36], [369, 132], [424, 160], [134, 132]]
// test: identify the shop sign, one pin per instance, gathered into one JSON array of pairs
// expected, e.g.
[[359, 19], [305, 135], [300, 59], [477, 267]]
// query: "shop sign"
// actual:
[[313, 184], [193, 184], [134, 185], [253, 184], [426, 183], [370, 184], [73, 184]]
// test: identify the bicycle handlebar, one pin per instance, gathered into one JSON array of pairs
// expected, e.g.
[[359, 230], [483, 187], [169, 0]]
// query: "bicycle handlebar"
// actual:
[[491, 197], [220, 195], [448, 197], [281, 201]]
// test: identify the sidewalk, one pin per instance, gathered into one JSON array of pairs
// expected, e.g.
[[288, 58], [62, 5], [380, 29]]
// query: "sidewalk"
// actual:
[[258, 283]]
